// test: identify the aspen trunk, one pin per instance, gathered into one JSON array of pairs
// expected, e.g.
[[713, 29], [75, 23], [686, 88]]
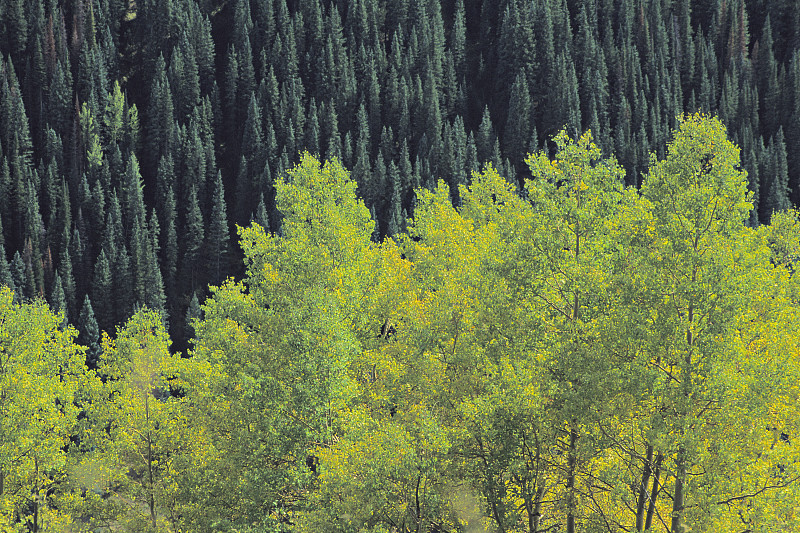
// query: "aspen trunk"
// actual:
[[643, 489], [537, 509], [651, 507], [572, 463]]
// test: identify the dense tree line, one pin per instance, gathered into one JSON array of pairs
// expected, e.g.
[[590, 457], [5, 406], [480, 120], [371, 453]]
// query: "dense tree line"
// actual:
[[135, 135], [589, 358]]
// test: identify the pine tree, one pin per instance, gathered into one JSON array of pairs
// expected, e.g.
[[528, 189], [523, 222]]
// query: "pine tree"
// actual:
[[184, 77], [6, 278], [193, 313], [138, 247], [58, 301], [193, 240], [261, 217], [766, 75], [485, 139], [159, 116], [15, 29], [517, 131], [65, 271], [17, 269], [395, 219], [312, 133], [102, 292], [123, 301], [775, 187], [89, 333], [218, 233], [458, 41], [133, 194]]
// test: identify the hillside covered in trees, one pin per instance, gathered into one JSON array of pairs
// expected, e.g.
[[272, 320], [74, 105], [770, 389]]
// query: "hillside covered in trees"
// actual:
[[590, 358], [136, 135]]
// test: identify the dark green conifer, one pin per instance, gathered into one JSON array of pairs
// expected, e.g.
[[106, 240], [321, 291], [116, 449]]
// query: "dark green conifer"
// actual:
[[57, 300], [15, 29], [775, 184], [102, 292], [154, 296], [458, 40], [184, 77], [376, 190], [6, 278], [160, 115], [80, 262], [66, 272], [766, 76], [218, 233], [122, 288], [89, 333], [484, 141], [395, 219], [312, 133], [517, 131], [261, 217], [193, 313], [17, 269], [192, 240]]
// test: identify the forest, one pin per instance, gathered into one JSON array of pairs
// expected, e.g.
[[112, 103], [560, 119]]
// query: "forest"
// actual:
[[399, 265], [590, 358], [136, 136]]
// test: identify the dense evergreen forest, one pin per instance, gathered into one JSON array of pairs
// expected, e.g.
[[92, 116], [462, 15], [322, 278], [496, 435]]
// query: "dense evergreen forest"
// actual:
[[136, 135], [433, 330]]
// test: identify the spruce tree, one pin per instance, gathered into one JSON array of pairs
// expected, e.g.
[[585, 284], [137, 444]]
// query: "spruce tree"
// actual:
[[193, 313], [159, 116], [192, 241], [775, 189], [218, 233], [66, 273], [395, 219], [484, 141], [102, 292], [15, 29], [6, 278], [517, 131], [58, 301], [312, 133], [89, 333], [123, 286]]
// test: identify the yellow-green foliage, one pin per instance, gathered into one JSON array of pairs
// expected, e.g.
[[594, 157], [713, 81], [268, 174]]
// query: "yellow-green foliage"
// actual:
[[587, 357], [41, 373]]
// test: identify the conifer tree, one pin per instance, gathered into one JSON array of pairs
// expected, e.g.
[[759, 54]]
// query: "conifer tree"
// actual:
[[123, 286], [159, 117], [458, 40], [193, 240], [218, 235], [193, 314], [89, 333], [66, 273], [17, 269], [6, 278], [312, 133], [484, 141], [261, 216], [395, 220], [184, 77], [775, 187], [517, 132], [102, 292], [15, 29], [58, 301]]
